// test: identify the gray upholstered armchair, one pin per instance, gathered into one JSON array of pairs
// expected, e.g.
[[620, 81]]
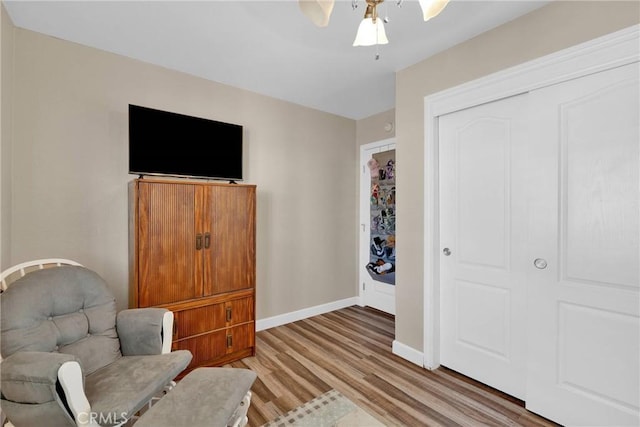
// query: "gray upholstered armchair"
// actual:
[[69, 359]]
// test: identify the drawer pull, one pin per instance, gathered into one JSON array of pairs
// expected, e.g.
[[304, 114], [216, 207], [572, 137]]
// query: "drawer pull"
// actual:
[[229, 314], [229, 341]]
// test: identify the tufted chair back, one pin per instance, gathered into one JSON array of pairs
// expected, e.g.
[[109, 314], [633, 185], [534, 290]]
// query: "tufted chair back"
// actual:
[[66, 309]]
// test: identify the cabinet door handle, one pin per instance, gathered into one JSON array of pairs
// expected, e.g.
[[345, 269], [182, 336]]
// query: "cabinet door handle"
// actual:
[[229, 341], [229, 314], [198, 242], [207, 240], [175, 327]]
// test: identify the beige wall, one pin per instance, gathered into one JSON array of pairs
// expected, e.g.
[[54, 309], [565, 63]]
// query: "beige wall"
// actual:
[[6, 83], [546, 30], [372, 128], [70, 170]]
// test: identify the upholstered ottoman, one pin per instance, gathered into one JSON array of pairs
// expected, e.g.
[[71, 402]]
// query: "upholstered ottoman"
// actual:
[[211, 397]]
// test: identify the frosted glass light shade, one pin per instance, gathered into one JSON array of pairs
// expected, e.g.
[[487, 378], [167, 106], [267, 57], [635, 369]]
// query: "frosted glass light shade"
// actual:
[[431, 8], [318, 11], [370, 34]]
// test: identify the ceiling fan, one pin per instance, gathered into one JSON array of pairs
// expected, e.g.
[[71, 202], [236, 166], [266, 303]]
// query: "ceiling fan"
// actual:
[[371, 29]]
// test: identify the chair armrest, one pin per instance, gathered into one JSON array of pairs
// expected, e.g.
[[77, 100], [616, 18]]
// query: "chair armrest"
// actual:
[[145, 331], [31, 376]]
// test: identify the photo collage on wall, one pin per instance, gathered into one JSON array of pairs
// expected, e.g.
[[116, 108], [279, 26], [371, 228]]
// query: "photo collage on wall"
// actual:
[[382, 255]]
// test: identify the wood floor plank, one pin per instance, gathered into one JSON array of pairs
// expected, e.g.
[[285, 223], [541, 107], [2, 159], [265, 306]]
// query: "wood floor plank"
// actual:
[[461, 410], [349, 350], [318, 385]]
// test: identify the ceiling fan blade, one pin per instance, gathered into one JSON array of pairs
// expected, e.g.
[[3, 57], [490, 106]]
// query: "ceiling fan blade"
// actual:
[[431, 8], [318, 11]]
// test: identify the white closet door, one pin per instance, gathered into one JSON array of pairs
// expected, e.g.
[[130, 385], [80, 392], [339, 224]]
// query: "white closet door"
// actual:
[[375, 294], [483, 235], [583, 330]]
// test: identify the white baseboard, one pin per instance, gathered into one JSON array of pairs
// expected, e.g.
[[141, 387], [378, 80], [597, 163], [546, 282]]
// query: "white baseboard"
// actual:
[[408, 353], [283, 319]]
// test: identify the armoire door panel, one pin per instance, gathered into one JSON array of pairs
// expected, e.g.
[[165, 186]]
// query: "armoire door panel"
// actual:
[[168, 266], [230, 255]]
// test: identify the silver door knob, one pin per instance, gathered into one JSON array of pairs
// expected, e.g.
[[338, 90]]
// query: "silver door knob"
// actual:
[[540, 263], [446, 251]]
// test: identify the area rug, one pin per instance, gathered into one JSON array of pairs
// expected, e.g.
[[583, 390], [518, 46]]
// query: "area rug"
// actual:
[[329, 409]]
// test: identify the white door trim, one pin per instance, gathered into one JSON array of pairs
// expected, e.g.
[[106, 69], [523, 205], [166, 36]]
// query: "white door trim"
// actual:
[[610, 51], [362, 209]]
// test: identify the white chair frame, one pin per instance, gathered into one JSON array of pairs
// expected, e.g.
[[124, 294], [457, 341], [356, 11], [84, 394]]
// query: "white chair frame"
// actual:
[[26, 267]]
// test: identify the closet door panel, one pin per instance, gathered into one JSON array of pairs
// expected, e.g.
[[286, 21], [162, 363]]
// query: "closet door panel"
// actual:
[[584, 323], [483, 219]]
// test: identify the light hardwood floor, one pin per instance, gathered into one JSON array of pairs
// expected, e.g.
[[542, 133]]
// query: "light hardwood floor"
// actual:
[[350, 350]]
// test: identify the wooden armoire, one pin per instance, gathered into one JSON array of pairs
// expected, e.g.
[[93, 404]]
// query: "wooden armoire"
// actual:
[[192, 251]]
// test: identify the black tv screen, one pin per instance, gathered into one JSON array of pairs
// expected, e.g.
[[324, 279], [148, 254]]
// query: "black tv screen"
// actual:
[[164, 143]]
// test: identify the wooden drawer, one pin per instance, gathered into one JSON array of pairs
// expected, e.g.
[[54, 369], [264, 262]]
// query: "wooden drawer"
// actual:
[[212, 348], [239, 311], [195, 321]]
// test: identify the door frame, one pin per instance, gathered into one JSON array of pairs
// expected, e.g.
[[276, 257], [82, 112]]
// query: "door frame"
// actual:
[[364, 208], [610, 51]]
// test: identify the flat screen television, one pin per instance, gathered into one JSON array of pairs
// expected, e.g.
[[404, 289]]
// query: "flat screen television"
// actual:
[[171, 144]]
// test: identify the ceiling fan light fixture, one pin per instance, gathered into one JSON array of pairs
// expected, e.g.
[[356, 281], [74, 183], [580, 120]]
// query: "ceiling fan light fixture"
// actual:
[[318, 11], [370, 33], [371, 29], [431, 8]]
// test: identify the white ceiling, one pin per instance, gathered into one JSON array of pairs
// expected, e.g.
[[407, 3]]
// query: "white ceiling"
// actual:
[[269, 47]]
